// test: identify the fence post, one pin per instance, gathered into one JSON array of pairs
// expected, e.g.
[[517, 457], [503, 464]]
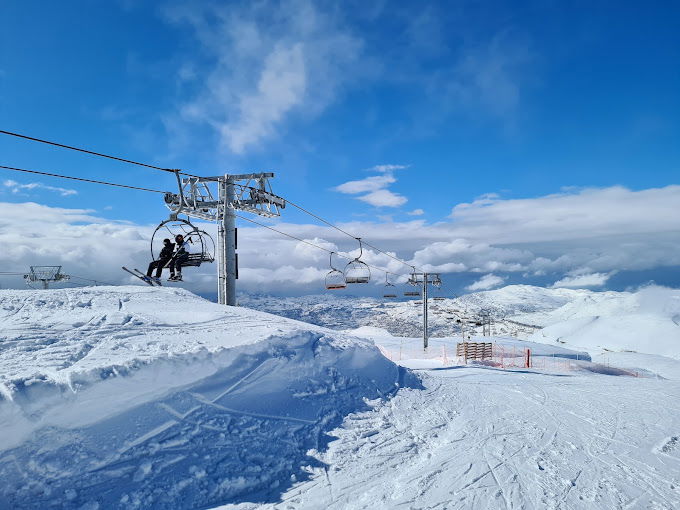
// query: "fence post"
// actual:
[[527, 363]]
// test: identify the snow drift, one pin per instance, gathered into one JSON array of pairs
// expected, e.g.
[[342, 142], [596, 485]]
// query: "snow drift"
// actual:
[[154, 398]]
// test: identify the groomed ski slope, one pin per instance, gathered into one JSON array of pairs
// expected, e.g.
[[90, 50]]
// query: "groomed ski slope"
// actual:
[[484, 438], [139, 397], [478, 438]]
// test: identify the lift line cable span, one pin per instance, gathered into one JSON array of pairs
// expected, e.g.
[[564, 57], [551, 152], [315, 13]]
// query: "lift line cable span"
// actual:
[[347, 233], [337, 228], [86, 151], [242, 217], [78, 179], [124, 160], [315, 245]]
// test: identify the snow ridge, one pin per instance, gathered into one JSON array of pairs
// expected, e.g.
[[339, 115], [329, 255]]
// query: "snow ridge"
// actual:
[[155, 398]]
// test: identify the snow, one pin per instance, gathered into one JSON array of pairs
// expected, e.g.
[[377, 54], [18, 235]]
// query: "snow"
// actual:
[[155, 398], [481, 438], [647, 321], [140, 397]]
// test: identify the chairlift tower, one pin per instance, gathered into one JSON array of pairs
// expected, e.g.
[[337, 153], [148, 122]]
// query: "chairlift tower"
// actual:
[[45, 275], [485, 318], [425, 279], [246, 192]]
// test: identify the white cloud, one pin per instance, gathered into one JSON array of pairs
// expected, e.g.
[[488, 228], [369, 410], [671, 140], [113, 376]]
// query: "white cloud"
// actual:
[[373, 183], [383, 198], [386, 168], [573, 214], [579, 281], [268, 61], [486, 282], [15, 187], [416, 212], [376, 185]]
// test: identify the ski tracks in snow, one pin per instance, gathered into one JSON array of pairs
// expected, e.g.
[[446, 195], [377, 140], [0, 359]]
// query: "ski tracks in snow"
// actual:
[[478, 438]]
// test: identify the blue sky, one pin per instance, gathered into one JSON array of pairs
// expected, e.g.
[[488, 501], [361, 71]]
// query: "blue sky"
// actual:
[[503, 100]]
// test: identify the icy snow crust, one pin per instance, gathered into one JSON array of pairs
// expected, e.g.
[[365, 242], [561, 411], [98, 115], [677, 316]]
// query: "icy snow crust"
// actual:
[[133, 397]]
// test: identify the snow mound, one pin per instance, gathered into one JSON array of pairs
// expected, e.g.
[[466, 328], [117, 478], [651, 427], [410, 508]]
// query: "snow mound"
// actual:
[[155, 398], [518, 299], [647, 321]]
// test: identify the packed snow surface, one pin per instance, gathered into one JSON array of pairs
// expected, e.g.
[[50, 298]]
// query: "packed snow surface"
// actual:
[[139, 397]]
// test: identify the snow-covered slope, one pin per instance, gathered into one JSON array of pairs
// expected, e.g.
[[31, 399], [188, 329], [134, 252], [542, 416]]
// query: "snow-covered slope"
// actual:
[[647, 321], [478, 438], [137, 397]]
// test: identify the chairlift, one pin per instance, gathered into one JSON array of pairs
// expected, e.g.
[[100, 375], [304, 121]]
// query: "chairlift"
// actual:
[[335, 279], [203, 245], [357, 271], [412, 293], [389, 293]]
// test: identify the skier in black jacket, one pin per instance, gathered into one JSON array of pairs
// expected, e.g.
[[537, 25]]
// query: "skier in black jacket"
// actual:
[[163, 258], [179, 258]]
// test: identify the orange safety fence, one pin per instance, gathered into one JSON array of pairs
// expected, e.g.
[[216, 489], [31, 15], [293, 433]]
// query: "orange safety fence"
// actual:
[[497, 355]]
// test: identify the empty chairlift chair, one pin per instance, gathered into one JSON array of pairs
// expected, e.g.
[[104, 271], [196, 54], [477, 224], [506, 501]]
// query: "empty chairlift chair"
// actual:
[[412, 281], [335, 279], [389, 289], [357, 271]]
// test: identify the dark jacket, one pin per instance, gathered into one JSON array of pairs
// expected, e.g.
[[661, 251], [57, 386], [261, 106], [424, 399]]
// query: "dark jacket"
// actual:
[[166, 252]]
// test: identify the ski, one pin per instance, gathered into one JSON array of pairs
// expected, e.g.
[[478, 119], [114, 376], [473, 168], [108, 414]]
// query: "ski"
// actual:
[[143, 276], [148, 282]]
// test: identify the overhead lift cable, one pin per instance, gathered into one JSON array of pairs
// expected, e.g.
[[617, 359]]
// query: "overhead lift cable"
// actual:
[[78, 179], [176, 172], [347, 233], [314, 245], [101, 155]]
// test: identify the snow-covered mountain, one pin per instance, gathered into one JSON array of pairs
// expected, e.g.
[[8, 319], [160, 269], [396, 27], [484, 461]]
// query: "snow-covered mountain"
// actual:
[[645, 321], [517, 310]]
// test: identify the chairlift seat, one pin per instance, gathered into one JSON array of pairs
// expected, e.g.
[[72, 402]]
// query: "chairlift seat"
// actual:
[[335, 280], [357, 272], [389, 295], [194, 260]]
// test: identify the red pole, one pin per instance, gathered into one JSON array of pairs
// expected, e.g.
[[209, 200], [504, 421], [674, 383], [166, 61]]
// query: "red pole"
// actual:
[[527, 363]]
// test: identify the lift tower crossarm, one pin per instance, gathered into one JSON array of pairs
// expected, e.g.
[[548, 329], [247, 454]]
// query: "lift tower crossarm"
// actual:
[[195, 198]]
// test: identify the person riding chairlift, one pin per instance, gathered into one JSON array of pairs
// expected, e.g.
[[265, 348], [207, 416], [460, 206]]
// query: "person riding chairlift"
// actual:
[[180, 257], [163, 258]]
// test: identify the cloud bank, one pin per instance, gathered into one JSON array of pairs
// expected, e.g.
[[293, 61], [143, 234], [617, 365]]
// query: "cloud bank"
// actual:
[[576, 238]]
